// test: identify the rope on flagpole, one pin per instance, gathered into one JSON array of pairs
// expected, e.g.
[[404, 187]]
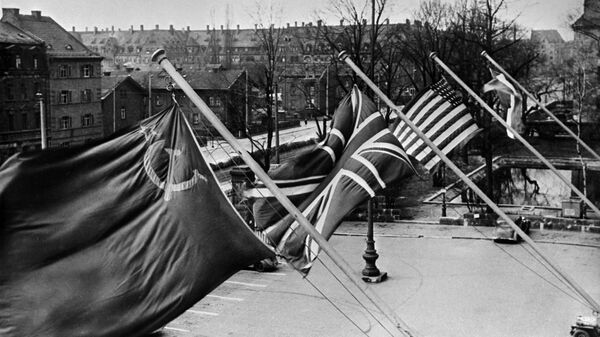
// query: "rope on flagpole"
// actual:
[[434, 57], [536, 101], [160, 57], [344, 57]]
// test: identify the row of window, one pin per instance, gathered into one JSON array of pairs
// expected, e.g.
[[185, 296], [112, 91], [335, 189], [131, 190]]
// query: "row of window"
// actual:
[[23, 94], [66, 96], [66, 71], [66, 122], [17, 61]]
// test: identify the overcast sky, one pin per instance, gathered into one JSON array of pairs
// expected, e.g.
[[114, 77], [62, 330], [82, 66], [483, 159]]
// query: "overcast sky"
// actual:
[[535, 14]]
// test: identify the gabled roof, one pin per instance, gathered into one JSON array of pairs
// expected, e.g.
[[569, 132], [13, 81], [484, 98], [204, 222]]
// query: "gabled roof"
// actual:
[[113, 82], [550, 36], [590, 18], [12, 34], [58, 41]]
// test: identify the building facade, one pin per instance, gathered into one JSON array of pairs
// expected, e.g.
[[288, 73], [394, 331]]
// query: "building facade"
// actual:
[[124, 103], [24, 69], [74, 86]]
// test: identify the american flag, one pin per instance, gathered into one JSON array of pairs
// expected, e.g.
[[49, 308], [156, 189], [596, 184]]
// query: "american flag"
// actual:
[[439, 113]]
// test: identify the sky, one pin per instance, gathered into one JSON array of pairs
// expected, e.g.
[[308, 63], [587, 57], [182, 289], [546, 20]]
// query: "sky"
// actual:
[[533, 14]]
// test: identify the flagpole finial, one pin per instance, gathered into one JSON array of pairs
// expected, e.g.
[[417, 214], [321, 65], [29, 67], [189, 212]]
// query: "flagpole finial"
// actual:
[[343, 55], [432, 55], [484, 53], [159, 55]]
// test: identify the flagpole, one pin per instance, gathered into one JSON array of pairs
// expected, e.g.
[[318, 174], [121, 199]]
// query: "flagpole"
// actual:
[[344, 56], [530, 95], [434, 57], [160, 57]]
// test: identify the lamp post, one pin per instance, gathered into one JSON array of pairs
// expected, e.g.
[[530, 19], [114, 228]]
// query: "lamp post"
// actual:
[[43, 136], [371, 273]]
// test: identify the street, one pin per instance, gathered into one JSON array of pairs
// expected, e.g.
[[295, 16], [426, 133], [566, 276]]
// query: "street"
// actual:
[[443, 281]]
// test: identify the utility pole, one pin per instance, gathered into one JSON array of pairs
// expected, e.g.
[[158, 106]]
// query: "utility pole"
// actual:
[[43, 136], [276, 124], [114, 106], [149, 95]]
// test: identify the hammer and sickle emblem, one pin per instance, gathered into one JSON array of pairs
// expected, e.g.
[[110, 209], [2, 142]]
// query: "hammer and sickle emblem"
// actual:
[[168, 185]]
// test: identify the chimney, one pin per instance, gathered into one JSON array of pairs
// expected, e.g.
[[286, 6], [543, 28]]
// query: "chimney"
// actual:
[[364, 22], [73, 29], [221, 27], [86, 28], [36, 14], [10, 15], [386, 21], [131, 29], [112, 28], [171, 29], [255, 26], [156, 27], [319, 22], [207, 28], [302, 23], [288, 25], [187, 28], [95, 30], [141, 28], [295, 23], [407, 22], [341, 22], [238, 28]]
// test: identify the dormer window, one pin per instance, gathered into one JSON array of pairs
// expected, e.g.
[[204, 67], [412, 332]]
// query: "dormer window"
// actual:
[[69, 47], [49, 46]]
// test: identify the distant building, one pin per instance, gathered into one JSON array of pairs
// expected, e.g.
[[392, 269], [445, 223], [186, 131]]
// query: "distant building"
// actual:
[[24, 69], [551, 44], [224, 91], [74, 79], [124, 103]]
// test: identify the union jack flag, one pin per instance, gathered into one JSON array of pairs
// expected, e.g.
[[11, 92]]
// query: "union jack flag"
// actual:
[[372, 159]]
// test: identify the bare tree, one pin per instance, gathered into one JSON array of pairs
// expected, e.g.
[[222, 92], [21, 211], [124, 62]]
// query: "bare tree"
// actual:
[[270, 40]]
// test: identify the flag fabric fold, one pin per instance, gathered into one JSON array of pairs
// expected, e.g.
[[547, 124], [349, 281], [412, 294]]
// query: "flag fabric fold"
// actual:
[[510, 98], [372, 159], [439, 113], [301, 175], [115, 238]]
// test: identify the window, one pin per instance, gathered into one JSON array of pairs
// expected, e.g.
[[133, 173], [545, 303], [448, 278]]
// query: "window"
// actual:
[[157, 100], [86, 96], [9, 92], [23, 92], [123, 112], [11, 121], [196, 118], [86, 70], [87, 120], [64, 97], [65, 122], [35, 63], [24, 121], [214, 101], [18, 62], [64, 71]]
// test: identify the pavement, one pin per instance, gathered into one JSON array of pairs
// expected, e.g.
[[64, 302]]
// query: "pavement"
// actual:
[[442, 281]]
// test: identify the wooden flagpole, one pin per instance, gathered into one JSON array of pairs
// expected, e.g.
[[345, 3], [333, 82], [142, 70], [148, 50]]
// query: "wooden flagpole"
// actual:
[[530, 95], [344, 56], [160, 57], [515, 133]]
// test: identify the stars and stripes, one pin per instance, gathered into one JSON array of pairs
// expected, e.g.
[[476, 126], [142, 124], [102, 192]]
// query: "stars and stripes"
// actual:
[[439, 113]]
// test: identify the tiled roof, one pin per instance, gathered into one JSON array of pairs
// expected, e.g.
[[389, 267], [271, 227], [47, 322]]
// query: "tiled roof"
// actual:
[[110, 82], [550, 35], [59, 42], [591, 16], [12, 34], [199, 80]]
